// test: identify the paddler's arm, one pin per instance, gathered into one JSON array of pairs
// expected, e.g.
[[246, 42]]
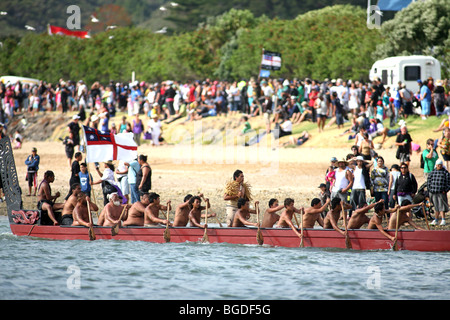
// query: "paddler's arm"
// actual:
[[335, 226], [291, 225], [381, 229], [194, 221]]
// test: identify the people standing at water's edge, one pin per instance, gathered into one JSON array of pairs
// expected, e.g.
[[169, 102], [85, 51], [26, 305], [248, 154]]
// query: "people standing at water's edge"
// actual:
[[405, 186], [32, 163], [438, 184], [343, 181], [403, 142], [144, 175]]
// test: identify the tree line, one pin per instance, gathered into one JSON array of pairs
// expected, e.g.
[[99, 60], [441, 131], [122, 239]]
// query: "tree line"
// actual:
[[333, 42]]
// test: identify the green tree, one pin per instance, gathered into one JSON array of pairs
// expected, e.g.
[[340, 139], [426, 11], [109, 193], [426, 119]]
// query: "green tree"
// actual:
[[421, 28]]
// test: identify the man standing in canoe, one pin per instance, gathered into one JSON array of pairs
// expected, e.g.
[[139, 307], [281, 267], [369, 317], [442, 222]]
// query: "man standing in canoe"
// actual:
[[332, 217], [136, 212], [270, 216], [286, 216], [243, 214], [195, 215], [234, 190], [151, 213], [313, 213], [81, 211]]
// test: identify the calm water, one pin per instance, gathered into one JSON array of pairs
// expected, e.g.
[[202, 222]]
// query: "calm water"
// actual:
[[77, 270]]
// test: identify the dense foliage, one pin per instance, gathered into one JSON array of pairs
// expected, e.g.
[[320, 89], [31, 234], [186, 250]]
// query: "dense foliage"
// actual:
[[331, 42], [421, 28]]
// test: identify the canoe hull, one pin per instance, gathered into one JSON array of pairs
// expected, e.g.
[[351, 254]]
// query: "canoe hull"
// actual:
[[414, 240]]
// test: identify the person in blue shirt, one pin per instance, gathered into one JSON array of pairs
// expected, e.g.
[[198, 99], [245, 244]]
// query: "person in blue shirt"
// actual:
[[133, 169], [425, 99], [32, 164], [85, 179]]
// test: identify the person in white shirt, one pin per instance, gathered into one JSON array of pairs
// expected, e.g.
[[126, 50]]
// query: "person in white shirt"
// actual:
[[343, 181], [155, 127], [360, 176]]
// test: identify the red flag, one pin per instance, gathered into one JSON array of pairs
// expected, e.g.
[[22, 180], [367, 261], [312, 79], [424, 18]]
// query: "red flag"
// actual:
[[66, 32]]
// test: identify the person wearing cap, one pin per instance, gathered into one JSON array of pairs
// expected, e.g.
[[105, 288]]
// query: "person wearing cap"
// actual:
[[438, 184], [343, 181], [32, 163], [324, 195]]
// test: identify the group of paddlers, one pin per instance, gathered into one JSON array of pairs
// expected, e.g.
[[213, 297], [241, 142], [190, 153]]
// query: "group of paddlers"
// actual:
[[76, 211]]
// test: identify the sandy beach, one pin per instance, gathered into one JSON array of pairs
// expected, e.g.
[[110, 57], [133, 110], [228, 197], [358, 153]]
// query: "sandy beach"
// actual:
[[180, 170]]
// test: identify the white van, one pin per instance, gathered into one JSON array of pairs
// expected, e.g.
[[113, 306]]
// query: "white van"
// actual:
[[407, 69], [14, 80]]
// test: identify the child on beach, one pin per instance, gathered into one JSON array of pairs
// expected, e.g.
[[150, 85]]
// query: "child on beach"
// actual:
[[331, 176]]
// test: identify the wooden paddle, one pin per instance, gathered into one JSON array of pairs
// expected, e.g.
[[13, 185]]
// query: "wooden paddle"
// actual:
[[115, 228], [348, 243], [167, 231], [91, 228], [395, 246], [425, 215], [259, 235], [302, 244], [205, 238]]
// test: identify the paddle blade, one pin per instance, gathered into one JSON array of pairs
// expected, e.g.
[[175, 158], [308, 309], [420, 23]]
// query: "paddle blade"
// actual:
[[348, 243], [302, 244], [395, 246], [205, 238], [167, 234], [259, 237], [115, 230], [91, 234]]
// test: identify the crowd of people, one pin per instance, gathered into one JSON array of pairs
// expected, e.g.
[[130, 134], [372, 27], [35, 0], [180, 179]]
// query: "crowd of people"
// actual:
[[282, 103]]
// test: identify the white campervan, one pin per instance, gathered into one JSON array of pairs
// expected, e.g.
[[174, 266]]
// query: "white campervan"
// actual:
[[407, 69]]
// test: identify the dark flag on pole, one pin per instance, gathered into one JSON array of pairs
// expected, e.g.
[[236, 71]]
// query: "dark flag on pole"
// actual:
[[271, 60]]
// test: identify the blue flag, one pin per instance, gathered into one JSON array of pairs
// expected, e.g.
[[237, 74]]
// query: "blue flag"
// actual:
[[393, 5]]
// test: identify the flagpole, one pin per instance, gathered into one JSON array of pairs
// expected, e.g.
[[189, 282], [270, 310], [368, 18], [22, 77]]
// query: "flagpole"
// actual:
[[260, 65], [89, 169]]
